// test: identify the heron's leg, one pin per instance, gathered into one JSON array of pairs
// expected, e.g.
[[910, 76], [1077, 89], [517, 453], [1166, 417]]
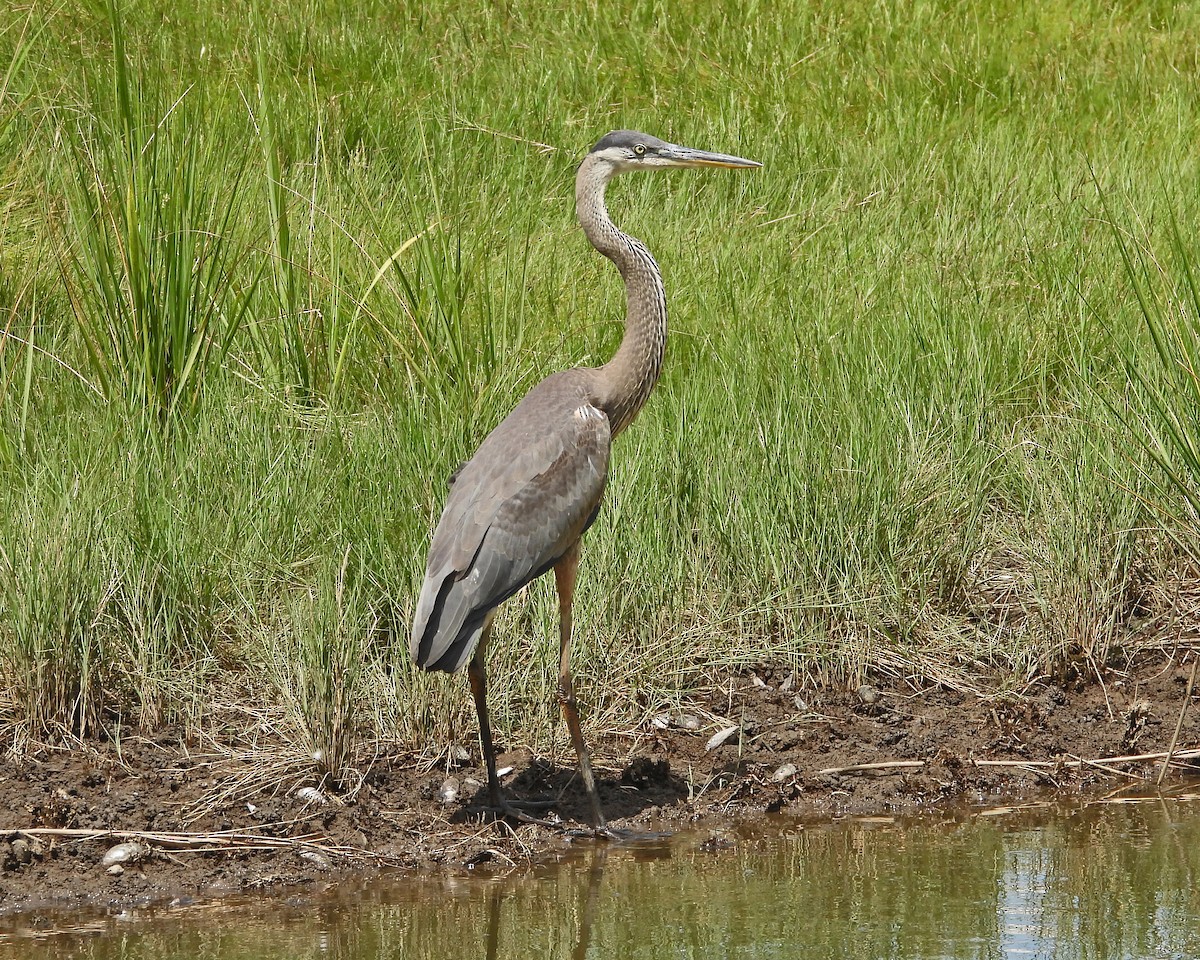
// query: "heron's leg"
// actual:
[[477, 674], [564, 576]]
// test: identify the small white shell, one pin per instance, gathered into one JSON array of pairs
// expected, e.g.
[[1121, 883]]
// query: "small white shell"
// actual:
[[130, 852], [448, 791], [310, 795], [315, 857], [719, 738]]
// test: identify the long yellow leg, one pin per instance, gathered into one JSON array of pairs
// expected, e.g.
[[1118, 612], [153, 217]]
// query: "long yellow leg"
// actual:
[[564, 577]]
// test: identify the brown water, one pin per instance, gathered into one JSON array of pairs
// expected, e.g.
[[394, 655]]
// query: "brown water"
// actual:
[[1095, 881]]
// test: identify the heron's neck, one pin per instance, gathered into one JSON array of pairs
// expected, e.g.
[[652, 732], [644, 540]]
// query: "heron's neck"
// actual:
[[624, 383]]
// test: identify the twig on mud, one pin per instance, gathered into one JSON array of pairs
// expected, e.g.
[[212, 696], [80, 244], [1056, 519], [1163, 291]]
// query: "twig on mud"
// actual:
[[1178, 723], [1035, 768], [221, 841], [525, 851], [862, 767], [1107, 699], [1115, 771], [1181, 756]]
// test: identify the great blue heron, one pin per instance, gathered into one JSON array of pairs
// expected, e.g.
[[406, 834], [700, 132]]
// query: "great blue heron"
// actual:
[[521, 504]]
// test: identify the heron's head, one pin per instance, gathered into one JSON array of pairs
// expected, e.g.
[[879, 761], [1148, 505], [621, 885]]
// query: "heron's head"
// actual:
[[627, 150]]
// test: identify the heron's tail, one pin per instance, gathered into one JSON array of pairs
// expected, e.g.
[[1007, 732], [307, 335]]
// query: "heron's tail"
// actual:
[[446, 628]]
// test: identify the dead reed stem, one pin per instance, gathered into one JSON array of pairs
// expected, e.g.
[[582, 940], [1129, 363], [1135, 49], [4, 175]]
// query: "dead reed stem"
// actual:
[[1178, 724], [222, 840]]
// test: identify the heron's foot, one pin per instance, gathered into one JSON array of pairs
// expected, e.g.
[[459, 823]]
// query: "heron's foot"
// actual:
[[648, 838], [530, 804], [601, 833], [503, 808], [579, 833]]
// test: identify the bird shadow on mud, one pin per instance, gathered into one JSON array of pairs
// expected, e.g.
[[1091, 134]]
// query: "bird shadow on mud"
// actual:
[[644, 784]]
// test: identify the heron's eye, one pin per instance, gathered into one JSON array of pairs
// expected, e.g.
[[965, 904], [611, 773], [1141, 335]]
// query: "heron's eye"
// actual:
[[640, 149]]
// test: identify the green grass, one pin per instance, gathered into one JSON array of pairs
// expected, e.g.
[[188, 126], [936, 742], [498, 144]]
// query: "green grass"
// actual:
[[269, 273]]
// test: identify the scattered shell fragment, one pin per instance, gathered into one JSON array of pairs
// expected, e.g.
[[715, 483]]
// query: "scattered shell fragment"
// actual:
[[131, 851], [800, 703], [684, 721], [760, 682], [310, 795], [448, 791], [21, 851], [867, 693], [788, 683], [115, 870], [504, 771], [785, 772], [719, 738], [315, 857]]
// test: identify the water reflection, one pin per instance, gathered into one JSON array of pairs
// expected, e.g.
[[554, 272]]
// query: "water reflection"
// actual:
[[587, 911], [1099, 881]]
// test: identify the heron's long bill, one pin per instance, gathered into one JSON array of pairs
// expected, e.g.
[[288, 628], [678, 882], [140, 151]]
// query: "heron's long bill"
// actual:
[[687, 157]]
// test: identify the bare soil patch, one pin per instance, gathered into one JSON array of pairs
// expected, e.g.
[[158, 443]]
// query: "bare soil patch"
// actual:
[[790, 749]]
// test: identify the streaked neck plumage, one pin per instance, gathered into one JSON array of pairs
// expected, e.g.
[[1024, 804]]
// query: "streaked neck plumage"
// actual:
[[623, 385]]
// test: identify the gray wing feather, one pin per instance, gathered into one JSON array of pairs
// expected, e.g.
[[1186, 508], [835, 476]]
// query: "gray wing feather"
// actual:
[[514, 509]]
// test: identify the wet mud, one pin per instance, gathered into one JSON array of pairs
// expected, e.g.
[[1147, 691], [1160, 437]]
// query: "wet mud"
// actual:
[[753, 743]]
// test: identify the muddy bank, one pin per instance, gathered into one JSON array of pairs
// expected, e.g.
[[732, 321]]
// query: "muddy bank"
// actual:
[[789, 749]]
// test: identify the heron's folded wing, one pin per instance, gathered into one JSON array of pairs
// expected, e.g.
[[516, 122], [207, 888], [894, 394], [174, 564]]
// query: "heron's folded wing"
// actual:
[[514, 509]]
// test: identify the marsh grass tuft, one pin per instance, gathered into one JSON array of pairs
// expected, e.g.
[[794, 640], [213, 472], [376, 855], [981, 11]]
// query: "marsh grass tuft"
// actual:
[[54, 653], [321, 671], [154, 284]]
